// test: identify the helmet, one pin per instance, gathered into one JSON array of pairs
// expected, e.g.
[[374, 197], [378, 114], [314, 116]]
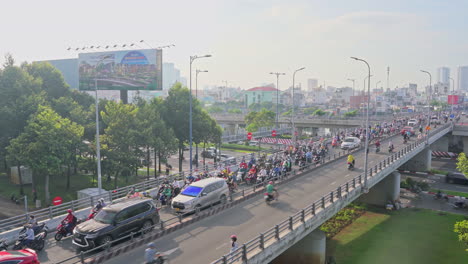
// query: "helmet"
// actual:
[[234, 236], [69, 210], [151, 245], [136, 190], [101, 200], [270, 182]]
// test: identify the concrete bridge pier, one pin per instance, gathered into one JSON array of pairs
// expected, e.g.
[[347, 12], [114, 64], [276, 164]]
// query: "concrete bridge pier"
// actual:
[[386, 190], [442, 144], [420, 162], [232, 128], [310, 250]]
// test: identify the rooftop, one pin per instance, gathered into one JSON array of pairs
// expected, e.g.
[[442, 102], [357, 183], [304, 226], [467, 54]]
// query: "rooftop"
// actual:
[[263, 89]]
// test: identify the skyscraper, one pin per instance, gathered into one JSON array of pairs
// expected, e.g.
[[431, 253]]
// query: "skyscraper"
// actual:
[[312, 84], [463, 78], [443, 75]]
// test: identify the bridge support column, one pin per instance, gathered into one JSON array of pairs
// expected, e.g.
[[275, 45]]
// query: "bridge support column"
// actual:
[[232, 129], [442, 144], [465, 144], [299, 132], [310, 250], [386, 190], [314, 131], [420, 162]]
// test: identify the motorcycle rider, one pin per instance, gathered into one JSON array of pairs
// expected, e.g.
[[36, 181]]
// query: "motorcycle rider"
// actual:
[[33, 223], [351, 160], [390, 146], [234, 244], [70, 221], [151, 254], [270, 189], [377, 144], [29, 237]]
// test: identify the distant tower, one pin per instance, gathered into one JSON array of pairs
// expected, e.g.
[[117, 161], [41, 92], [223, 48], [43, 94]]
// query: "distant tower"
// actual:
[[388, 78], [443, 75], [463, 78]]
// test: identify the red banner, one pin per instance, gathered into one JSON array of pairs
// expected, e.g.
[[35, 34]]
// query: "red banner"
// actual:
[[273, 133], [452, 99], [249, 135]]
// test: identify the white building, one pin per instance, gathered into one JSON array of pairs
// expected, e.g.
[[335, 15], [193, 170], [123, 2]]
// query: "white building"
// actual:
[[171, 75], [312, 84], [463, 78], [443, 75]]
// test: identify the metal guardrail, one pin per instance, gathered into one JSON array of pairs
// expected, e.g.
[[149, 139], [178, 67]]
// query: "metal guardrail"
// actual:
[[274, 234], [243, 137], [54, 211], [180, 219]]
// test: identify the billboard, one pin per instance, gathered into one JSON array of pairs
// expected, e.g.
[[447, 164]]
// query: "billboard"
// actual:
[[121, 70]]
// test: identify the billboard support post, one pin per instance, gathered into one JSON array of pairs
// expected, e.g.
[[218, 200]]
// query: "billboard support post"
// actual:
[[98, 145]]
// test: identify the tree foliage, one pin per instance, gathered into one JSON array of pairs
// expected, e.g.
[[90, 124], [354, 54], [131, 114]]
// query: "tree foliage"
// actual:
[[256, 120], [462, 164], [461, 228]]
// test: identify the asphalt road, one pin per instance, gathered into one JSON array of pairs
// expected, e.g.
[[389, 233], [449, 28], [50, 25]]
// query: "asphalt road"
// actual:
[[207, 240]]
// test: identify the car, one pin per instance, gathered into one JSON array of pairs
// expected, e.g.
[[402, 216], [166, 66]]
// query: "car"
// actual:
[[201, 194], [351, 143], [408, 128], [253, 143], [412, 122], [435, 120], [115, 221], [227, 159], [208, 154], [24, 256], [458, 178]]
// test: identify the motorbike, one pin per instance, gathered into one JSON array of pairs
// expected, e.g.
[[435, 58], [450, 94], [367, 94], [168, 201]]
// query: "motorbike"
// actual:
[[40, 227], [459, 205], [251, 178], [377, 149], [350, 166], [3, 245], [37, 244], [390, 149], [92, 214], [268, 198], [61, 232]]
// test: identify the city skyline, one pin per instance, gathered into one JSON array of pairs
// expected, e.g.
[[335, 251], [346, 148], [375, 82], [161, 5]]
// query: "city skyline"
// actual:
[[250, 38]]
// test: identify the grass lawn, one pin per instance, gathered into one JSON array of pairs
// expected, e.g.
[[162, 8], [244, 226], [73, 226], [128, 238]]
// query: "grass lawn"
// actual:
[[461, 194], [58, 186], [408, 236]]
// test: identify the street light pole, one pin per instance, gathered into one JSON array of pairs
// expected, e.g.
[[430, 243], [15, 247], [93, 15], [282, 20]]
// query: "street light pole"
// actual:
[[277, 98], [98, 144], [352, 80], [367, 131], [428, 104], [453, 91], [376, 84], [192, 58], [197, 71], [292, 110]]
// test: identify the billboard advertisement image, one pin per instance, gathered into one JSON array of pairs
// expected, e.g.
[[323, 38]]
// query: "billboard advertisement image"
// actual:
[[121, 70]]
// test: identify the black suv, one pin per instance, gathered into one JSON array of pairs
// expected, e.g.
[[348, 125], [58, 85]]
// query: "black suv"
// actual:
[[458, 178], [115, 221]]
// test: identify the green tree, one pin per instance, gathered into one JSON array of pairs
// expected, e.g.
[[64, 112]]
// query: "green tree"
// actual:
[[52, 81], [461, 228], [350, 113], [319, 112], [462, 164], [215, 109], [263, 118], [235, 111], [119, 143], [176, 115], [45, 144]]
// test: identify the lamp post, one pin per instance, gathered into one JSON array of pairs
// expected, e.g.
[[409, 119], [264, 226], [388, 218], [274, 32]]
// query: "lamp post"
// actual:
[[197, 71], [352, 80], [453, 91], [192, 58], [277, 98], [376, 84], [98, 144], [428, 104], [292, 110], [366, 148]]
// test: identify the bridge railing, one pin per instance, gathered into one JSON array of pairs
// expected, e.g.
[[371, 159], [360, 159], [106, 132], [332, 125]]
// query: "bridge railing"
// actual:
[[273, 235]]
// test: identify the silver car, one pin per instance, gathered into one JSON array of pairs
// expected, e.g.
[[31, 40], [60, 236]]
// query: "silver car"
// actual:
[[201, 194], [351, 143]]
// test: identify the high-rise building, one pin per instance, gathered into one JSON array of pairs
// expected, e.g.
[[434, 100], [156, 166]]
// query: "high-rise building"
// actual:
[[312, 84], [463, 78], [443, 75]]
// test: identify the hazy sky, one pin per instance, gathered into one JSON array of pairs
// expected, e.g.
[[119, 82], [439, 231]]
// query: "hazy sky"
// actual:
[[250, 38]]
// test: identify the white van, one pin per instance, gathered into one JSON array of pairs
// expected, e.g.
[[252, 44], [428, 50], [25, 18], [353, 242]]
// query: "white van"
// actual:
[[253, 143], [201, 194]]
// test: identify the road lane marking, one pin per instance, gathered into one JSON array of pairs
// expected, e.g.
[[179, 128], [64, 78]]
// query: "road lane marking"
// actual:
[[221, 246], [333, 183], [347, 175]]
